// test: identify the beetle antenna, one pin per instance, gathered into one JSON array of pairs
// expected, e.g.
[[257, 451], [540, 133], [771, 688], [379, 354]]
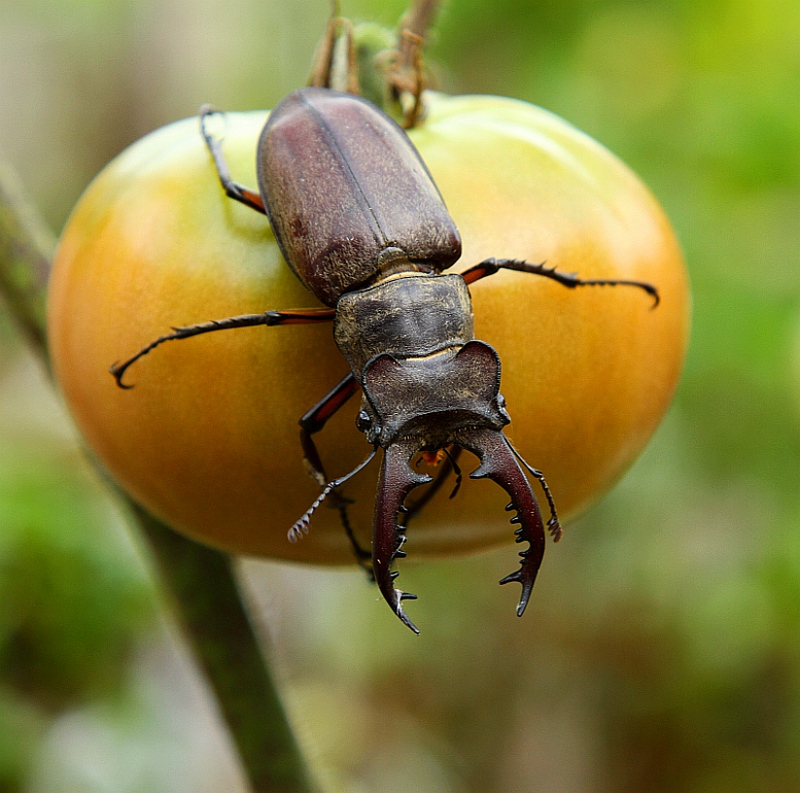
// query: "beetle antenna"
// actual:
[[301, 526], [553, 525]]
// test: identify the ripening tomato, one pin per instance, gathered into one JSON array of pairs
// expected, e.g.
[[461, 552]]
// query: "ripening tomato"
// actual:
[[208, 438]]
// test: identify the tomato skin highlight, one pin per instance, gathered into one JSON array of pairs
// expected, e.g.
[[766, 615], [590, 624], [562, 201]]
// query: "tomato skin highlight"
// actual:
[[208, 439]]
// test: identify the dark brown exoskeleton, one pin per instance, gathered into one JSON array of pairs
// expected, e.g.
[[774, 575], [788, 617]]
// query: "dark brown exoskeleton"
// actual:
[[363, 226]]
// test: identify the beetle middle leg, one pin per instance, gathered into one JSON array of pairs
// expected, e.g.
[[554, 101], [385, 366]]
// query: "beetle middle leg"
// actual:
[[570, 280], [269, 318], [311, 423], [240, 193]]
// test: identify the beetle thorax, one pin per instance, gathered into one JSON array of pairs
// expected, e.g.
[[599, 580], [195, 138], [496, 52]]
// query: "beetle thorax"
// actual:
[[409, 340], [432, 398], [409, 315]]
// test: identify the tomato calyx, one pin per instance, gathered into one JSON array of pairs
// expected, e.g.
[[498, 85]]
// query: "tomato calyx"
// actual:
[[384, 66]]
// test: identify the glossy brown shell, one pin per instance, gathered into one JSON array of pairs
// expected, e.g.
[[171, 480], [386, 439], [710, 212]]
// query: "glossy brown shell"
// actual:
[[342, 183]]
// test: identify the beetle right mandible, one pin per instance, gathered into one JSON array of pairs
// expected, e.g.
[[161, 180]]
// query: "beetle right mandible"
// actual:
[[362, 224]]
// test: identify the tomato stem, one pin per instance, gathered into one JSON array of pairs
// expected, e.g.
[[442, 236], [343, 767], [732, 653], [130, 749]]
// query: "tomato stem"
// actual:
[[385, 67]]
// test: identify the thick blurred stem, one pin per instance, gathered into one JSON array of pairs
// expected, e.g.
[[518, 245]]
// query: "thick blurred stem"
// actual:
[[216, 624], [200, 582]]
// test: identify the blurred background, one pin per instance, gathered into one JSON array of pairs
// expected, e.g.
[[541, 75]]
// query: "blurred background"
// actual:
[[661, 652]]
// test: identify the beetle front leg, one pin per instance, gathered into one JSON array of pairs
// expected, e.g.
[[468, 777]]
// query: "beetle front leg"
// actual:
[[233, 190], [311, 423], [269, 318], [570, 280]]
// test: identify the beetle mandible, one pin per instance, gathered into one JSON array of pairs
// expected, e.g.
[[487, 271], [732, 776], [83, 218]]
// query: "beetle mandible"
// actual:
[[362, 224]]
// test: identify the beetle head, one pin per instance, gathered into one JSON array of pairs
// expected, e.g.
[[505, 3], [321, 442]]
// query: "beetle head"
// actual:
[[431, 398], [425, 404]]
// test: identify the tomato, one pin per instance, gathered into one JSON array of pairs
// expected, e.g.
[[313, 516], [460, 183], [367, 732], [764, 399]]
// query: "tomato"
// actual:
[[208, 438]]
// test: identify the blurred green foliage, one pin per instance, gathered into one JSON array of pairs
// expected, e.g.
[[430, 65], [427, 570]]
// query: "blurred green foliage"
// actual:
[[662, 650], [73, 594]]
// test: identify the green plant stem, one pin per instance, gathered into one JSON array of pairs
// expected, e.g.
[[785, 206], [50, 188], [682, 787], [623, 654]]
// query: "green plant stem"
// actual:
[[199, 582], [217, 626], [26, 248]]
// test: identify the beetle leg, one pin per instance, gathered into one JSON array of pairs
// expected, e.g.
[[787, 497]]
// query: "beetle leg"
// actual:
[[311, 423], [316, 418], [234, 190], [570, 280], [452, 458], [498, 463], [448, 466], [269, 318], [396, 480]]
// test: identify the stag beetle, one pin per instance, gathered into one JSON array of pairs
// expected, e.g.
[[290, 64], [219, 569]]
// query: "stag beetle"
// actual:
[[361, 223]]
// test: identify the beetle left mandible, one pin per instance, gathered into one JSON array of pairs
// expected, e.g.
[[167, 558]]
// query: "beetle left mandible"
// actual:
[[361, 223]]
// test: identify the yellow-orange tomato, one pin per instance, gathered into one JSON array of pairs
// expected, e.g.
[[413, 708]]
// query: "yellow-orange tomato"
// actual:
[[208, 438]]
